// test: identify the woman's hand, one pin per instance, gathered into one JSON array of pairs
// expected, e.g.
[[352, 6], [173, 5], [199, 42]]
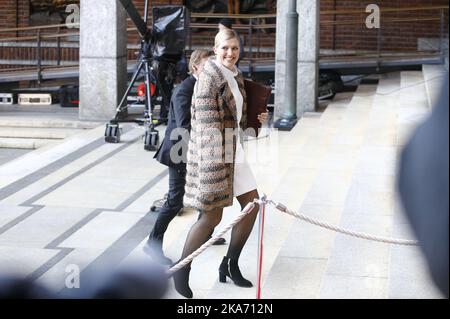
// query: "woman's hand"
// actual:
[[263, 117]]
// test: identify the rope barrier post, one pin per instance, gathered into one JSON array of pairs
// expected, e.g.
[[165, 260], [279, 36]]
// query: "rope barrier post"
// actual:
[[259, 263]]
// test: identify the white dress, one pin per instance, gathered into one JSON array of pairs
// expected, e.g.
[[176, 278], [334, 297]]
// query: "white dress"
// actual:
[[244, 180]]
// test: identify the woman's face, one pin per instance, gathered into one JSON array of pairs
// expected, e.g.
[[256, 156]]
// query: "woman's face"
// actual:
[[228, 52]]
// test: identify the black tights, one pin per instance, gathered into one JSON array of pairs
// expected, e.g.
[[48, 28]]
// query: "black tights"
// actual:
[[205, 225]]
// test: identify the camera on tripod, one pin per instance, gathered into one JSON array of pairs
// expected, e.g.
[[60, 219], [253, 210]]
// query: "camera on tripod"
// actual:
[[162, 48]]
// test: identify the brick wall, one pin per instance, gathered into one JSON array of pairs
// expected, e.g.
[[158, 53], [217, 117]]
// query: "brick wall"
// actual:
[[394, 36], [205, 38], [16, 13], [8, 16]]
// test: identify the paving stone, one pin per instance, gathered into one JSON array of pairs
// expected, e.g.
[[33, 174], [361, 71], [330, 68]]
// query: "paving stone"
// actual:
[[41, 228], [295, 278], [55, 278], [102, 231], [349, 287], [10, 154], [8, 213], [23, 261]]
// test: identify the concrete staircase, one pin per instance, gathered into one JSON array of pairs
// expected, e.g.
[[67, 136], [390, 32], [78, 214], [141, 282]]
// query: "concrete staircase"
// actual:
[[340, 167], [355, 189], [83, 202], [27, 128]]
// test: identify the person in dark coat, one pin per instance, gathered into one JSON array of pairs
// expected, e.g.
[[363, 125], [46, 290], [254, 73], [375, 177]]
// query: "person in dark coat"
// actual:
[[172, 153]]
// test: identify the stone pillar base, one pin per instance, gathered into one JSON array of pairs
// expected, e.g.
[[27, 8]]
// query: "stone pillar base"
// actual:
[[103, 58]]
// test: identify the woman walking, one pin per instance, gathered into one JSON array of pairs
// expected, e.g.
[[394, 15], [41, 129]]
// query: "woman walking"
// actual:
[[218, 107]]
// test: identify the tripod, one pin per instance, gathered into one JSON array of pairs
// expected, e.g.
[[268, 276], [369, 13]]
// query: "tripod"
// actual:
[[112, 131], [151, 138], [166, 45]]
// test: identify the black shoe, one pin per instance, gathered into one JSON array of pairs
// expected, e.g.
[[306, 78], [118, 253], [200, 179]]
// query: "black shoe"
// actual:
[[181, 281], [229, 268], [218, 242], [156, 254]]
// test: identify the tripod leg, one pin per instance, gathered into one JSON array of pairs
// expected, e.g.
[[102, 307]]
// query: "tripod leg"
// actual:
[[151, 137], [120, 108], [148, 104]]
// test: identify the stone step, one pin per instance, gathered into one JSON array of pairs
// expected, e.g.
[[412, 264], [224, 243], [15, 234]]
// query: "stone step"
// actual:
[[411, 104], [301, 263], [296, 177], [33, 161], [409, 275], [25, 143], [357, 268], [45, 121], [37, 132], [54, 108], [434, 76]]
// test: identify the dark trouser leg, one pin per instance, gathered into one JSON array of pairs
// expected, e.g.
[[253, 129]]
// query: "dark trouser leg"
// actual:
[[173, 204]]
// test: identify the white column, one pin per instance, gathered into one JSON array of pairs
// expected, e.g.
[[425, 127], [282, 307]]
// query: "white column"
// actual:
[[308, 55], [103, 58], [280, 59]]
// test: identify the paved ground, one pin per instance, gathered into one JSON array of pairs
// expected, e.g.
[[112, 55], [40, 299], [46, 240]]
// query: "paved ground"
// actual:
[[7, 155], [86, 203]]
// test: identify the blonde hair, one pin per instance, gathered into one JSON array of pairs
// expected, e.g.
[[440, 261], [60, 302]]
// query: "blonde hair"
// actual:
[[225, 35], [196, 57]]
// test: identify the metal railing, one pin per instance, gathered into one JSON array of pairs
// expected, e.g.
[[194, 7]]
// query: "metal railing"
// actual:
[[37, 41], [437, 14], [252, 29]]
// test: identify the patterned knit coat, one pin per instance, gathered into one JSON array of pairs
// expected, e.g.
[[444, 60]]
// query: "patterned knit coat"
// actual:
[[212, 149]]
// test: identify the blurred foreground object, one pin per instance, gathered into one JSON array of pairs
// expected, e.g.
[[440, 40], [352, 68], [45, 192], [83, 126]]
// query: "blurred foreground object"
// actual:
[[15, 287], [143, 280], [423, 185]]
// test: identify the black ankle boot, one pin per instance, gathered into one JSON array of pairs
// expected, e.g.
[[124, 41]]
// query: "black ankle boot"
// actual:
[[154, 250], [181, 280], [229, 268]]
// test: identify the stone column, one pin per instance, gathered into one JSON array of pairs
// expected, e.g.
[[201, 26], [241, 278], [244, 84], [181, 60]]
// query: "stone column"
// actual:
[[280, 59], [103, 58], [308, 56]]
